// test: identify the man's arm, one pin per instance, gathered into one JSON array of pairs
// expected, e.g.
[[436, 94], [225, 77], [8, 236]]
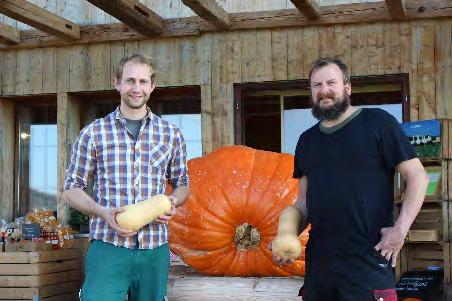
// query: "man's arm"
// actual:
[[416, 180], [81, 201], [301, 204]]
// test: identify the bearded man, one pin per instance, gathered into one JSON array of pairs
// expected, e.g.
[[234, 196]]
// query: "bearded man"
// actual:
[[345, 165], [132, 154]]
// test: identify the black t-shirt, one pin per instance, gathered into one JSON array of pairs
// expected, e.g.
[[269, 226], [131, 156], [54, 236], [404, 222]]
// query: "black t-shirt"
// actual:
[[350, 173]]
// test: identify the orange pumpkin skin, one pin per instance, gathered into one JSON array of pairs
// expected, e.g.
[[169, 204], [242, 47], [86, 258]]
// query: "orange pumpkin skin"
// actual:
[[235, 187]]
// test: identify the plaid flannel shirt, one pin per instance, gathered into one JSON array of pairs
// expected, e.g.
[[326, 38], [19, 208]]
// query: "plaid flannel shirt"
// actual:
[[127, 171]]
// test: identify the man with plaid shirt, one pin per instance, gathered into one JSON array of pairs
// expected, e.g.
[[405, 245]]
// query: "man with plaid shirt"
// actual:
[[131, 154]]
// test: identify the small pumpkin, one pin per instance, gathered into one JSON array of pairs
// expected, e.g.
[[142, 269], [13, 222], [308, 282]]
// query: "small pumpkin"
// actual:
[[236, 196]]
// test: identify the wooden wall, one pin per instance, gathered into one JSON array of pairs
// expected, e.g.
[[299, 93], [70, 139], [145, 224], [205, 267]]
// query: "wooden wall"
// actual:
[[84, 13], [217, 60]]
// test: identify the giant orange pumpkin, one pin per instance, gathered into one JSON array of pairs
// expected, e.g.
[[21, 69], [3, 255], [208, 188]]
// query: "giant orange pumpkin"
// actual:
[[231, 215]]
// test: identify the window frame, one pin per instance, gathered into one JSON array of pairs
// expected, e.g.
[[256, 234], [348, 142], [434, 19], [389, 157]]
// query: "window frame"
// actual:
[[243, 89]]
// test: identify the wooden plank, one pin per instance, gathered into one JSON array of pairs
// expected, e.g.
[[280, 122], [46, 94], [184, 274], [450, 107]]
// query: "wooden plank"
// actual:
[[249, 50], [133, 13], [342, 43], [131, 47], [396, 8], [295, 53], [68, 128], [188, 63], [423, 235], [41, 256], [375, 44], [36, 65], [265, 59], [49, 70], [78, 68], [14, 269], [309, 8], [425, 49], [37, 280], [311, 50], [443, 69], [63, 69], [9, 72], [116, 54], [358, 50], [206, 119], [210, 11], [98, 56], [193, 286], [345, 14], [39, 18], [22, 85], [447, 251], [279, 54], [404, 41], [203, 62], [233, 57], [6, 159], [45, 291], [326, 39], [391, 57], [9, 34]]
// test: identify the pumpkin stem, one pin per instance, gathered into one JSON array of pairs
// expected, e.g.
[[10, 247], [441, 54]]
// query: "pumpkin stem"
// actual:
[[246, 237]]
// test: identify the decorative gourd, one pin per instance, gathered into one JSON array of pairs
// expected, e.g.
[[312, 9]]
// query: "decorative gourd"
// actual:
[[140, 214], [286, 243], [225, 226]]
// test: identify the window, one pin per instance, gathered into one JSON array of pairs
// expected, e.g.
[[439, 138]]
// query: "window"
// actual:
[[36, 156], [272, 115], [178, 105]]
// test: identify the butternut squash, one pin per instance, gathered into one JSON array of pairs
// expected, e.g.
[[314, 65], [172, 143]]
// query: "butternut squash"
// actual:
[[140, 214], [286, 244]]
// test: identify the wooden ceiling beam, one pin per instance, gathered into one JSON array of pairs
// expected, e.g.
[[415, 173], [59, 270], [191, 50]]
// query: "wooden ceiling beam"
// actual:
[[309, 8], [134, 14], [9, 34], [210, 11], [396, 8], [370, 12], [40, 18]]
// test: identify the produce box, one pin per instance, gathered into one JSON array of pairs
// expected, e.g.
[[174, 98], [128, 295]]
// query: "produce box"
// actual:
[[41, 275]]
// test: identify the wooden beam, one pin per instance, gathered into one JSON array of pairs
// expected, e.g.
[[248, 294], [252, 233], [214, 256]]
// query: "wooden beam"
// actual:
[[40, 18], [134, 14], [210, 11], [396, 8], [9, 34], [370, 12], [309, 8]]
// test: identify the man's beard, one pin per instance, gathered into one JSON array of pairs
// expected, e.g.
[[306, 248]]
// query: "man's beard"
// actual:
[[333, 112], [128, 101]]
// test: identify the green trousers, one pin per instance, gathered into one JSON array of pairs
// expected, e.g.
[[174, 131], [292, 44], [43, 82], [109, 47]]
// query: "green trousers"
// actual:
[[111, 272]]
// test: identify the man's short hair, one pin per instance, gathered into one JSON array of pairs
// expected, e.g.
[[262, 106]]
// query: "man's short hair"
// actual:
[[321, 62], [135, 58]]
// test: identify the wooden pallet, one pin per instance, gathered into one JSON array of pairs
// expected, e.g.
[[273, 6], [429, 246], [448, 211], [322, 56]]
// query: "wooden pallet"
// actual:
[[185, 284], [49, 275]]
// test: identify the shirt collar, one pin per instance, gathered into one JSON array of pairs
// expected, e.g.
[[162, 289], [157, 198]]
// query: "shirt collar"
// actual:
[[118, 116]]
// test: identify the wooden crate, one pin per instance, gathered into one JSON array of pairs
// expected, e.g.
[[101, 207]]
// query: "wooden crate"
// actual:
[[421, 256], [50, 275], [185, 284], [438, 170], [432, 224]]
